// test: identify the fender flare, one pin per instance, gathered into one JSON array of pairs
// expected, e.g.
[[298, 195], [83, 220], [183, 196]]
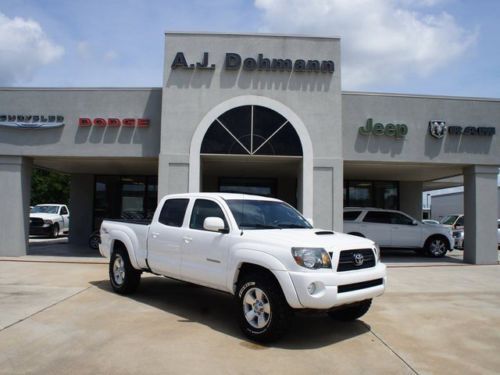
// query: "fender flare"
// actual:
[[267, 261], [118, 235]]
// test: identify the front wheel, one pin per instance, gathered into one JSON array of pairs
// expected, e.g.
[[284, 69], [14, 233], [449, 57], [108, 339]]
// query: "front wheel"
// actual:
[[436, 247], [123, 276], [351, 312], [264, 313], [55, 231]]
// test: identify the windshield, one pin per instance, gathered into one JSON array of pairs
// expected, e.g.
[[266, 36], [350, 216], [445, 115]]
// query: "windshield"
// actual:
[[45, 209], [258, 214], [449, 220]]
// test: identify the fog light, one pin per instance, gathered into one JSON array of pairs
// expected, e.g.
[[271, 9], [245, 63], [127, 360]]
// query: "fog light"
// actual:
[[311, 288]]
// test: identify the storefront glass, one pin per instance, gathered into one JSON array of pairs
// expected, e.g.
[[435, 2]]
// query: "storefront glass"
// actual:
[[378, 194], [124, 197]]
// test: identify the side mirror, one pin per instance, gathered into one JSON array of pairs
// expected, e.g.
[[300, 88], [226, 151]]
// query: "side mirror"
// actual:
[[310, 221], [214, 224], [414, 222]]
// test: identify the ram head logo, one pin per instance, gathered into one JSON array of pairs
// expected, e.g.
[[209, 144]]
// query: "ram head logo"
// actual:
[[437, 128]]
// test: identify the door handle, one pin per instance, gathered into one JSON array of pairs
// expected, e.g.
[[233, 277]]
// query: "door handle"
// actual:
[[155, 234], [187, 239]]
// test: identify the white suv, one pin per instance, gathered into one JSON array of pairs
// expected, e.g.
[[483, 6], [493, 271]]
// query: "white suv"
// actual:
[[395, 229]]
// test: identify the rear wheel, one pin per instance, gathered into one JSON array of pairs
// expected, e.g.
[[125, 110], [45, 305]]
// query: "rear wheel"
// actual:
[[264, 313], [351, 312], [94, 241], [123, 276], [436, 246]]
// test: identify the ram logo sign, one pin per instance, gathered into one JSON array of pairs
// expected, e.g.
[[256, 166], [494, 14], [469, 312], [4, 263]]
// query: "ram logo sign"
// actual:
[[437, 128]]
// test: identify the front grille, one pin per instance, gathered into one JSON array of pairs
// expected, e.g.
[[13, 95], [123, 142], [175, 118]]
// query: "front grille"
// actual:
[[357, 286], [36, 222], [347, 260]]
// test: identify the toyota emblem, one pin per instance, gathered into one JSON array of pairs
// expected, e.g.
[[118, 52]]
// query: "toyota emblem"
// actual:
[[358, 259]]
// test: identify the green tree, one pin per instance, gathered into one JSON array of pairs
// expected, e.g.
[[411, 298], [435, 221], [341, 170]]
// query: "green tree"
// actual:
[[49, 187]]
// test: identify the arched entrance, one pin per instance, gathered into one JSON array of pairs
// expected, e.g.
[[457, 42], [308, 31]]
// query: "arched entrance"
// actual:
[[253, 145]]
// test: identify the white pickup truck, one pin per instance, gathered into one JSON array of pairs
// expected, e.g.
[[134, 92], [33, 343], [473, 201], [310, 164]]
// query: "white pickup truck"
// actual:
[[261, 250]]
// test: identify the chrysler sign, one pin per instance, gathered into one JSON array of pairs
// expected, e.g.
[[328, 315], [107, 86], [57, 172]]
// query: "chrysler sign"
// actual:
[[31, 121]]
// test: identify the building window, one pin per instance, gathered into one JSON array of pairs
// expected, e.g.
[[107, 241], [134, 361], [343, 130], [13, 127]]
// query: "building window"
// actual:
[[378, 194], [251, 130], [124, 197]]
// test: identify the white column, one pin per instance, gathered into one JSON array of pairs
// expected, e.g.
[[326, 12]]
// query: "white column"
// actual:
[[410, 198], [480, 210], [81, 206], [15, 192]]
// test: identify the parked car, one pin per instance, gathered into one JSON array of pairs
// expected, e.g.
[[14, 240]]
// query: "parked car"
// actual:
[[455, 221], [49, 219], [429, 221], [498, 233], [458, 235], [395, 229], [260, 250]]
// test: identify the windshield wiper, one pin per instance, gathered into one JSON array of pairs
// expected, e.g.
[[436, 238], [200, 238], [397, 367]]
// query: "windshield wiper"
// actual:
[[259, 226], [292, 226]]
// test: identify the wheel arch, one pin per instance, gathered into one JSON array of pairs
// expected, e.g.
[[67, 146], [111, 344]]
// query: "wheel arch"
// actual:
[[250, 260], [124, 243], [437, 235]]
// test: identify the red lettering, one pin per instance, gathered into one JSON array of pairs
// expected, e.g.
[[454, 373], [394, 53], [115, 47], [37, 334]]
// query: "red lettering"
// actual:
[[99, 122], [143, 122], [114, 122], [128, 122], [84, 121]]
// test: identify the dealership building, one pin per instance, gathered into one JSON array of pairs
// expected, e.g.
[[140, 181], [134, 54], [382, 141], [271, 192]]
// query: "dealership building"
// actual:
[[259, 114]]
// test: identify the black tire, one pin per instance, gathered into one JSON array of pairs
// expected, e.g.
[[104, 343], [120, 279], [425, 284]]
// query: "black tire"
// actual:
[[55, 230], [351, 312], [274, 309], [436, 246], [124, 279], [94, 241]]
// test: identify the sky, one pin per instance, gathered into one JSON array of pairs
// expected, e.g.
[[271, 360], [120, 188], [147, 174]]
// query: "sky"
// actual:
[[441, 47]]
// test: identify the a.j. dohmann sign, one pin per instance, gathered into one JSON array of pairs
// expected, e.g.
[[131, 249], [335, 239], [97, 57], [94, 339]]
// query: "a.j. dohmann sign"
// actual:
[[233, 61]]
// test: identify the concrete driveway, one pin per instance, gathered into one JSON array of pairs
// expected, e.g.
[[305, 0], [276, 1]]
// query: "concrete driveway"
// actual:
[[60, 318]]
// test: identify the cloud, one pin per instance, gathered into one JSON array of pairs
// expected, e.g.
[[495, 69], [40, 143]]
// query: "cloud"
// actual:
[[110, 55], [83, 49], [24, 47], [383, 41]]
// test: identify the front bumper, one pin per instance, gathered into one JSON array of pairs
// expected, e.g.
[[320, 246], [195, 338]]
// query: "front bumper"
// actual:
[[41, 230], [459, 243], [327, 293]]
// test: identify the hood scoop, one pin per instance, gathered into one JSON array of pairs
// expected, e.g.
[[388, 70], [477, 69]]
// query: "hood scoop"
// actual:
[[324, 232]]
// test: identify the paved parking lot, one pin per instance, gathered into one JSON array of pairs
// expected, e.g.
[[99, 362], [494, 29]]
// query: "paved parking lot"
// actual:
[[60, 318]]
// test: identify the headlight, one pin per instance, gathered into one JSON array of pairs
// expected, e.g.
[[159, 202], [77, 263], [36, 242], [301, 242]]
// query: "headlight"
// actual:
[[312, 258], [48, 221], [376, 249]]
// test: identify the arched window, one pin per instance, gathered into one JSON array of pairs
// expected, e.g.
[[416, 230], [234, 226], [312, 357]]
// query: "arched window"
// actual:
[[252, 130]]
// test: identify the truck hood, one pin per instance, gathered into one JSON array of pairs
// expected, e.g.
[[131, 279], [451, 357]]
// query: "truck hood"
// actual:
[[307, 238], [41, 215]]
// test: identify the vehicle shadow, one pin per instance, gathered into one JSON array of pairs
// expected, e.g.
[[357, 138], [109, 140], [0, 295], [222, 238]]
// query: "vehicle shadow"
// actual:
[[218, 311], [408, 257]]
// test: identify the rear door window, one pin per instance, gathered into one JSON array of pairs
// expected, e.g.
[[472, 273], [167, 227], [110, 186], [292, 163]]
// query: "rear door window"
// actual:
[[397, 218], [173, 211], [351, 215], [379, 217]]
